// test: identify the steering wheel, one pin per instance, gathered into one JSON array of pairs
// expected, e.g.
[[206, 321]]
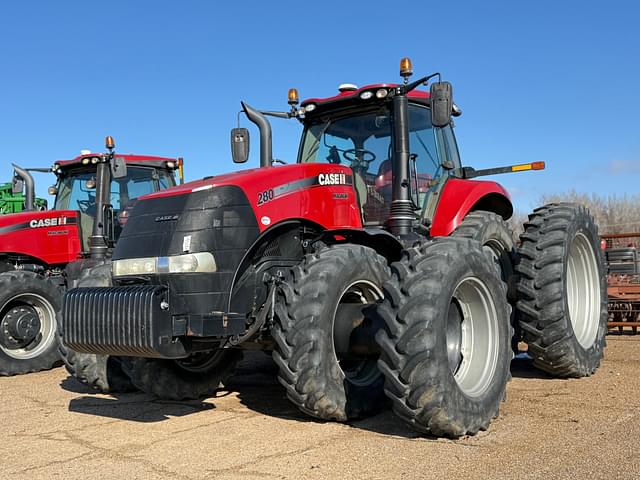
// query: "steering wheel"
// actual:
[[351, 155]]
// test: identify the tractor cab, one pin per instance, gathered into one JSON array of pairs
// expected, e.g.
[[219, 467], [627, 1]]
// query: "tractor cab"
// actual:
[[355, 129], [78, 181]]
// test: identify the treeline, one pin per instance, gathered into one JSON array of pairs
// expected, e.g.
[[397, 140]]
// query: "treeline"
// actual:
[[614, 214]]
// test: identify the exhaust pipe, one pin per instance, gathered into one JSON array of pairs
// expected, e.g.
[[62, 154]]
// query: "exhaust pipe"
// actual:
[[29, 187], [263, 124], [401, 217]]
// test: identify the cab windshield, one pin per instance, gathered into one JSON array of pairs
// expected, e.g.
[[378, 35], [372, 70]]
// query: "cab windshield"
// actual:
[[364, 143], [77, 191]]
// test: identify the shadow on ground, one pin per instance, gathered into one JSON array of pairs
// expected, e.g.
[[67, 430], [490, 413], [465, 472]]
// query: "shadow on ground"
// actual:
[[522, 367], [256, 386]]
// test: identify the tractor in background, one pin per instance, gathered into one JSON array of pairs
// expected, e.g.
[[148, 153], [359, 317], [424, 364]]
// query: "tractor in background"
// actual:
[[376, 268], [18, 195], [44, 252]]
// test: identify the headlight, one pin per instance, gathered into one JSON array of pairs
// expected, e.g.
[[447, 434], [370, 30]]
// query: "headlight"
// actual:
[[366, 95], [200, 262]]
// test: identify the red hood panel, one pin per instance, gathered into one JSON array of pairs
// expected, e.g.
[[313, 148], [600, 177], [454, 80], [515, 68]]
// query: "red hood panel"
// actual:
[[298, 191], [52, 237]]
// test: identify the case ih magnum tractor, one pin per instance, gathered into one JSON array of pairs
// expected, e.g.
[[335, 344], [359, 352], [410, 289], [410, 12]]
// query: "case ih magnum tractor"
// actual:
[[44, 252], [375, 267]]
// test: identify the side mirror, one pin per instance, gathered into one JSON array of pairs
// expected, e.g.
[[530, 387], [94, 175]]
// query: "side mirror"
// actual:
[[239, 145], [118, 167], [18, 186], [441, 104]]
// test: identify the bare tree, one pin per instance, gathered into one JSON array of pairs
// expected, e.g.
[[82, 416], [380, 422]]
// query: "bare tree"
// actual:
[[613, 214]]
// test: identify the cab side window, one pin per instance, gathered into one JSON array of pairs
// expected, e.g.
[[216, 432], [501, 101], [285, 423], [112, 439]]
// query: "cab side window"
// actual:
[[451, 146]]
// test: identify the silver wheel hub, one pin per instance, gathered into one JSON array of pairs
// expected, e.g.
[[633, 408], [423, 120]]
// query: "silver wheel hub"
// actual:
[[583, 290], [27, 326], [472, 337], [358, 368]]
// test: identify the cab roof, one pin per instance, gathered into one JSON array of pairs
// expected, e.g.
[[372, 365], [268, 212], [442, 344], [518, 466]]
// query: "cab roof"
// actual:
[[351, 97], [130, 159]]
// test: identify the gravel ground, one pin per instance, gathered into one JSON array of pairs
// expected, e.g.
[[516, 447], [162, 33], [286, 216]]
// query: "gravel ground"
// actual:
[[55, 428]]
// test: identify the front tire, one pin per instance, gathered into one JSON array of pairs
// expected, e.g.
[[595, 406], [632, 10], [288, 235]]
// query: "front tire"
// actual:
[[28, 305], [101, 372], [318, 380], [199, 375], [562, 289], [446, 349]]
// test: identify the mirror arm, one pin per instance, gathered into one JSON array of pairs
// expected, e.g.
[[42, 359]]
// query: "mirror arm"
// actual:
[[277, 114]]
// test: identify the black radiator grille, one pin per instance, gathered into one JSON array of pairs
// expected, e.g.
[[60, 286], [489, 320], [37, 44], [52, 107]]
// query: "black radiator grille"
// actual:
[[116, 320]]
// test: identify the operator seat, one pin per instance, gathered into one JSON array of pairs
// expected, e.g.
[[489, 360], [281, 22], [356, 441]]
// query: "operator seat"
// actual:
[[379, 188]]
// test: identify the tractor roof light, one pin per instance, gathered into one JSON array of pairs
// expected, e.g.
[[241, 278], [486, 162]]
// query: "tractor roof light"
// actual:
[[85, 161], [292, 97], [406, 68], [381, 93], [310, 108], [94, 160], [171, 164], [55, 167], [366, 95]]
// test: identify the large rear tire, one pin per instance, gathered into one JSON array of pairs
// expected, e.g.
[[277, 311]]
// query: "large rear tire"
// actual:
[[446, 348], [199, 375], [562, 289], [101, 372], [321, 380], [28, 305]]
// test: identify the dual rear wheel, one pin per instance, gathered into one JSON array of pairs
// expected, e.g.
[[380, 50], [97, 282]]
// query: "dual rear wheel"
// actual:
[[444, 325]]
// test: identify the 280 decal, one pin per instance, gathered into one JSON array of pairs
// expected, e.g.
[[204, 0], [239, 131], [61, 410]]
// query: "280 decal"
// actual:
[[323, 179], [266, 196]]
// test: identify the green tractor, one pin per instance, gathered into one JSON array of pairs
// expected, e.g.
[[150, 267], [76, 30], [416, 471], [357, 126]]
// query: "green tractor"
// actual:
[[13, 198]]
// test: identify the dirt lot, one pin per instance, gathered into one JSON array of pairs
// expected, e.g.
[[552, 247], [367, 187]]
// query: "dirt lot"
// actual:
[[55, 428]]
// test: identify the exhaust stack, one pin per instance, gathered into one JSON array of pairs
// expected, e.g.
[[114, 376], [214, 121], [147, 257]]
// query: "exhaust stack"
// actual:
[[29, 187]]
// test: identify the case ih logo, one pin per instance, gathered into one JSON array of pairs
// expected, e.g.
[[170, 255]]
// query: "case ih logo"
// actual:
[[332, 179], [167, 218], [48, 222]]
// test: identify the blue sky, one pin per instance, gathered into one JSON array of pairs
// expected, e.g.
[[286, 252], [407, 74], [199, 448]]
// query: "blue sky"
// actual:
[[546, 80]]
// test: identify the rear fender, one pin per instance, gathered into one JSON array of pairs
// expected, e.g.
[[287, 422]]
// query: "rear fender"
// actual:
[[378, 239], [459, 197]]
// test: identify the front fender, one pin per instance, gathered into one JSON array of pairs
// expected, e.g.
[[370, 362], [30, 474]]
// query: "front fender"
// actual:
[[459, 197]]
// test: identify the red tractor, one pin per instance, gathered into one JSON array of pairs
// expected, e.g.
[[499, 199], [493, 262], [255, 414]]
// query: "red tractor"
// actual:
[[376, 269], [42, 253]]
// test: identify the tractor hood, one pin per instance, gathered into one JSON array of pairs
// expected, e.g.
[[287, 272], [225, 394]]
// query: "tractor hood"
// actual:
[[225, 216], [50, 236], [228, 211], [319, 193]]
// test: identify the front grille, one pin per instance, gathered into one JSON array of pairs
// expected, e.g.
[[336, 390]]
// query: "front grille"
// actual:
[[117, 320]]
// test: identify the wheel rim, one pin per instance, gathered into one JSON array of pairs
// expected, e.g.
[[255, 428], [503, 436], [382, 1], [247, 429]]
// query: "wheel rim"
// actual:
[[27, 326], [359, 371], [583, 290], [472, 337]]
